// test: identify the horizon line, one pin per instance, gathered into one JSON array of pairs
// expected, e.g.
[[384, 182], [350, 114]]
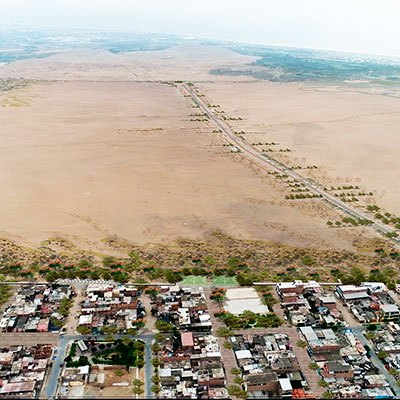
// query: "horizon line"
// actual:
[[200, 37]]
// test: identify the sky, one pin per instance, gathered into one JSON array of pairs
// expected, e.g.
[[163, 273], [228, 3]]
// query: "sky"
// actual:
[[365, 26]]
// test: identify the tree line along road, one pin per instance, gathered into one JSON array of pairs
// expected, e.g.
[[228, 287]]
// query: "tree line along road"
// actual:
[[254, 156]]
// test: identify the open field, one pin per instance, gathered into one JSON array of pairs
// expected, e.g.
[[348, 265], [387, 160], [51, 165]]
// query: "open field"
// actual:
[[348, 133], [86, 160], [107, 389], [194, 280], [185, 62], [224, 281], [90, 157]]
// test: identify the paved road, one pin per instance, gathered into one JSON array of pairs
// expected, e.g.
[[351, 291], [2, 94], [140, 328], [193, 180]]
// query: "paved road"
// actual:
[[52, 381], [250, 153], [358, 331], [51, 389]]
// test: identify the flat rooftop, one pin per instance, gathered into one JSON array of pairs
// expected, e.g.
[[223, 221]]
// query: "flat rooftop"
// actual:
[[242, 299]]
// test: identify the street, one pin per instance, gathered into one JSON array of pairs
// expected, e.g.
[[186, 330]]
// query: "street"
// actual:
[[50, 390], [358, 331]]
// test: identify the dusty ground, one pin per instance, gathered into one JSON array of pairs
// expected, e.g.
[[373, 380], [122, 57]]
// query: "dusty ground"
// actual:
[[89, 157], [74, 313], [186, 62], [94, 390], [350, 133], [91, 160]]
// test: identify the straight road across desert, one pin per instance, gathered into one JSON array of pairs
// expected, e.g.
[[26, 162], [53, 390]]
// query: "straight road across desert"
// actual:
[[250, 153]]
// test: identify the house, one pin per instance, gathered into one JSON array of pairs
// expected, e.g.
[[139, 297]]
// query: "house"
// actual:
[[390, 311], [187, 340], [285, 387], [290, 287], [26, 389], [351, 292], [338, 369], [375, 287], [34, 307], [321, 340], [263, 381]]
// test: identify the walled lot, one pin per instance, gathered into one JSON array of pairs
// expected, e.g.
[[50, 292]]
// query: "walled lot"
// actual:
[[241, 299], [108, 390]]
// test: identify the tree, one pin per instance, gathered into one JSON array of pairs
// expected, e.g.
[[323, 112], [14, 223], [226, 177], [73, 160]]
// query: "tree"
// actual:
[[85, 264], [314, 366], [137, 390], [155, 348], [237, 391], [107, 261], [173, 278], [301, 343], [307, 260], [223, 332], [155, 389], [209, 260], [382, 355], [119, 372], [137, 382], [51, 276], [239, 380], [134, 261], [228, 345], [327, 395], [109, 338], [393, 371], [323, 383], [155, 362], [155, 379], [370, 336], [84, 330], [159, 337], [235, 371], [163, 326]]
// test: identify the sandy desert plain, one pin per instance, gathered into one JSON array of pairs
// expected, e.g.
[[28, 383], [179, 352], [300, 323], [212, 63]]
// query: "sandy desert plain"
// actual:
[[97, 146]]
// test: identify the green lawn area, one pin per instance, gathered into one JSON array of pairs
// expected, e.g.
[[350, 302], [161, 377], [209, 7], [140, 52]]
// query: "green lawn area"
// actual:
[[224, 281], [194, 280]]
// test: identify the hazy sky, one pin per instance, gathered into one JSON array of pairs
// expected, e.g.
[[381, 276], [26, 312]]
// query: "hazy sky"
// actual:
[[370, 26]]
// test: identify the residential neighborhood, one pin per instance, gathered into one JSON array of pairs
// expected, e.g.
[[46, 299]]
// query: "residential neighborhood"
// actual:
[[295, 340], [37, 308], [23, 370], [111, 308]]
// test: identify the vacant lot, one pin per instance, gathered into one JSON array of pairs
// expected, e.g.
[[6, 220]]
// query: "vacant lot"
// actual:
[[89, 160], [349, 133]]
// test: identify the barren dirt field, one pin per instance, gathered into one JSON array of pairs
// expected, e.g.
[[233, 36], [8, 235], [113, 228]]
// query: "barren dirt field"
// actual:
[[185, 62], [93, 160], [351, 136], [89, 157]]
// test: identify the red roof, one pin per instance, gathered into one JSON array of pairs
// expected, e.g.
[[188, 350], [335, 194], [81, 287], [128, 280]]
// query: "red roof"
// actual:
[[187, 339]]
